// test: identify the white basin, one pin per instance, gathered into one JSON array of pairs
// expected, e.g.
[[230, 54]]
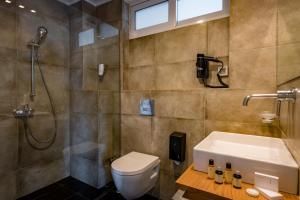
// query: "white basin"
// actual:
[[249, 154]]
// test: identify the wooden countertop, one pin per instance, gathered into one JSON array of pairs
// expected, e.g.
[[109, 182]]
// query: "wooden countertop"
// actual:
[[196, 180]]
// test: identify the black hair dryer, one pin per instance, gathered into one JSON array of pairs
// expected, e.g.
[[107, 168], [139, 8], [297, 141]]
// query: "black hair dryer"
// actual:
[[203, 70]]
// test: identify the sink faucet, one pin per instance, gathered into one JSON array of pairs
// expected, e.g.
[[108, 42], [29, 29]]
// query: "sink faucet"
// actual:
[[288, 95]]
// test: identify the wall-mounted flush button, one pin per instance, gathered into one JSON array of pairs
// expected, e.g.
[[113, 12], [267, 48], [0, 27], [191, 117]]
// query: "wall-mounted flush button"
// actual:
[[147, 107]]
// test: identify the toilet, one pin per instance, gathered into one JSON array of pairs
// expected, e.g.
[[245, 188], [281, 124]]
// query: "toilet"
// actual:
[[135, 174]]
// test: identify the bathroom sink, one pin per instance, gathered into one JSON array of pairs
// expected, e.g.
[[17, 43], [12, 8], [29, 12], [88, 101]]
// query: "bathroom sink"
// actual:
[[249, 154]]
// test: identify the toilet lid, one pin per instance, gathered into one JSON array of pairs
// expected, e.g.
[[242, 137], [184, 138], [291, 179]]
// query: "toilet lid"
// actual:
[[134, 163]]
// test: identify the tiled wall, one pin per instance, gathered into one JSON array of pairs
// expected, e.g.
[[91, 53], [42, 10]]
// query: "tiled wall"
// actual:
[[23, 169], [95, 101], [288, 71], [162, 67]]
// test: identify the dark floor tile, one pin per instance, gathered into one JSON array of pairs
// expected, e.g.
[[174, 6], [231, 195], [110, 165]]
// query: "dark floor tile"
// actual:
[[73, 189], [76, 197]]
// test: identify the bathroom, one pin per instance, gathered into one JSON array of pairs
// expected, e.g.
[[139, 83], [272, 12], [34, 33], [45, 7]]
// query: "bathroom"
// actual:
[[83, 83]]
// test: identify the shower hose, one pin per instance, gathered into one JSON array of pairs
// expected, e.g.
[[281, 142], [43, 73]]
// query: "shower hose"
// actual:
[[42, 144]]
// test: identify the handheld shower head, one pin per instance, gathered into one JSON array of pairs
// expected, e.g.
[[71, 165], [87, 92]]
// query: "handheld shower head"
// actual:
[[41, 34]]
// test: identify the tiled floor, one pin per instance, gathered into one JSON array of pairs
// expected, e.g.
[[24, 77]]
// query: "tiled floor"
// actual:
[[73, 189]]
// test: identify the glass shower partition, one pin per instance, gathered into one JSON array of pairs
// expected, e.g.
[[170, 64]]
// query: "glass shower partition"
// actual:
[[80, 38]]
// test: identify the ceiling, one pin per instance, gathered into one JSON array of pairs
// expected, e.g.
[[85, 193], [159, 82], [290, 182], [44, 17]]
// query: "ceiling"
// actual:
[[93, 2]]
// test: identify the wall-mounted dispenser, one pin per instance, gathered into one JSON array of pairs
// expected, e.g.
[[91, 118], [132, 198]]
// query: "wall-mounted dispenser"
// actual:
[[177, 146], [203, 70]]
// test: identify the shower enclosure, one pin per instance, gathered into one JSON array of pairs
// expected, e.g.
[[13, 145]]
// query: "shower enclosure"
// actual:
[[72, 111]]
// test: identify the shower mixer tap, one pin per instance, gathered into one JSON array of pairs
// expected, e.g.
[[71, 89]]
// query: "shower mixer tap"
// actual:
[[23, 112]]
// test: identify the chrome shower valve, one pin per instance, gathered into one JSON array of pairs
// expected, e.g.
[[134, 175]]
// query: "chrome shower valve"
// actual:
[[23, 112]]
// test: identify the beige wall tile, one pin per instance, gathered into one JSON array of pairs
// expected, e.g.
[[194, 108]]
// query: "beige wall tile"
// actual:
[[252, 24], [253, 69], [8, 185], [90, 79], [181, 44], [288, 62], [140, 78], [9, 145], [8, 28], [141, 51], [84, 102], [136, 134], [226, 105], [177, 76], [29, 179], [110, 80], [218, 37], [187, 105], [288, 21], [243, 128], [110, 55]]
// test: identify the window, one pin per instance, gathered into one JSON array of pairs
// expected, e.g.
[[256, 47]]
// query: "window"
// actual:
[[154, 16], [187, 9]]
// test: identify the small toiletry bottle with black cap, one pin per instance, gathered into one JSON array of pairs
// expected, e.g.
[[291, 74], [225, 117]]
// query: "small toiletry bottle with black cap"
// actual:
[[219, 175], [228, 173], [237, 180], [211, 169]]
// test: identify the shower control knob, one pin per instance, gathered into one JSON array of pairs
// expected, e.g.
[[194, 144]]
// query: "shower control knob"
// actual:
[[23, 112]]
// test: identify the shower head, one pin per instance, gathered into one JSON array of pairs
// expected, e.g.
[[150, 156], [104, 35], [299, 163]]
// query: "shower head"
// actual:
[[41, 34]]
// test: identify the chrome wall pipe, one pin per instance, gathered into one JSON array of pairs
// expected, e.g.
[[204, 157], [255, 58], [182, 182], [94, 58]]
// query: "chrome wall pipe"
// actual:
[[281, 95]]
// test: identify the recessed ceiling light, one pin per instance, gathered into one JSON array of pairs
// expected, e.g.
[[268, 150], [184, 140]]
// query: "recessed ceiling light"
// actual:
[[33, 11], [7, 1], [21, 6]]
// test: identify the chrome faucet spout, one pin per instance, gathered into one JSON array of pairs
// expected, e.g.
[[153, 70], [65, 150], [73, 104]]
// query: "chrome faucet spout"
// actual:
[[247, 98], [289, 95]]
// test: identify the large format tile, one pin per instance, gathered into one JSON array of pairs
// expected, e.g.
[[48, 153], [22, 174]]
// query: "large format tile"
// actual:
[[218, 37], [84, 102], [141, 51], [32, 178], [242, 128], [288, 21], [140, 78], [181, 44], [187, 105], [83, 128], [252, 24], [177, 76], [8, 28], [8, 145], [226, 105], [8, 185], [136, 134], [253, 69], [288, 62]]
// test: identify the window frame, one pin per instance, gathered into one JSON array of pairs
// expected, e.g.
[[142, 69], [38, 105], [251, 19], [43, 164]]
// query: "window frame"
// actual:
[[151, 29], [172, 22]]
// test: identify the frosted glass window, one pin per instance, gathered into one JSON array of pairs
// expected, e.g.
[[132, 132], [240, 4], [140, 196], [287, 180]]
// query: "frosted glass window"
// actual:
[[152, 15], [187, 9]]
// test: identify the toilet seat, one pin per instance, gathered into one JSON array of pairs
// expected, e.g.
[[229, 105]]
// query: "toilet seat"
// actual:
[[134, 163]]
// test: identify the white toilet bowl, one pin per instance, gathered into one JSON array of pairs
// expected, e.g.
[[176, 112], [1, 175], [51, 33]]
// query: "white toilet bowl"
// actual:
[[135, 174]]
